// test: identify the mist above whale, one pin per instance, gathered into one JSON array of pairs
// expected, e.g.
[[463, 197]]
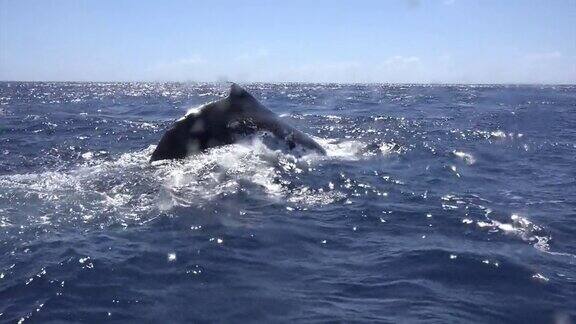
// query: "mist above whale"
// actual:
[[227, 121]]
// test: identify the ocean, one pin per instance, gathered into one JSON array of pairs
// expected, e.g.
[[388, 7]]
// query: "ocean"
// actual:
[[435, 203]]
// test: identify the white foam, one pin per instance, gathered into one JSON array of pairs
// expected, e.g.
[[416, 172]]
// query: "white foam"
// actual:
[[498, 134], [88, 155], [224, 170], [467, 157], [130, 190], [520, 227], [80, 193], [347, 150]]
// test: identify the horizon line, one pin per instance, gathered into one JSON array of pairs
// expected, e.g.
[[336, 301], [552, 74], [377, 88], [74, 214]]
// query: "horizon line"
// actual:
[[296, 82]]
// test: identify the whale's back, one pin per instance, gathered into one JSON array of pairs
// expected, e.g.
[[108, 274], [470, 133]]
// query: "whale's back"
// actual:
[[224, 122]]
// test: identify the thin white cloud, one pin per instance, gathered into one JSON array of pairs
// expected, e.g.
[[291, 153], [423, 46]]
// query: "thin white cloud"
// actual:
[[332, 71], [445, 67], [182, 62], [187, 68], [400, 60], [255, 55], [399, 68], [543, 56], [545, 67]]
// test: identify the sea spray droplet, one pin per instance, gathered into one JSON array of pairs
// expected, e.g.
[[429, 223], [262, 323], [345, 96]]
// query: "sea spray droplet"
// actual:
[[171, 257], [540, 277], [498, 134], [88, 155], [467, 157]]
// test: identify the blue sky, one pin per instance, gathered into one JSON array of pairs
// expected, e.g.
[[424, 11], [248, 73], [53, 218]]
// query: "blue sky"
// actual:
[[446, 41]]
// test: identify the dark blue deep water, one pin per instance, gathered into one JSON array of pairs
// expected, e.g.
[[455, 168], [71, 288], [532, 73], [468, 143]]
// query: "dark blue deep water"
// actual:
[[446, 204]]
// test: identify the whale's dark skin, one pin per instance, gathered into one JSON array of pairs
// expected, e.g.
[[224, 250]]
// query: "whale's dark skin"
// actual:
[[225, 122]]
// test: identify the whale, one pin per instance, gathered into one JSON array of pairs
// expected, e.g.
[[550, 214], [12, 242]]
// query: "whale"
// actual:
[[228, 121]]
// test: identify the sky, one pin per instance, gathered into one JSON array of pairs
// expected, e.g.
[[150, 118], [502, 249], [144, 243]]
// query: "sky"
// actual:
[[394, 41]]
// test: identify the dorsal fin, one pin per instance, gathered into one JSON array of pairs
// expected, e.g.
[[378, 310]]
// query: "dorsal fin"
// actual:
[[237, 91]]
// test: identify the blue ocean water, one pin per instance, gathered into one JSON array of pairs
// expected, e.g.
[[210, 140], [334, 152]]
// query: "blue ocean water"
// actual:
[[435, 204]]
